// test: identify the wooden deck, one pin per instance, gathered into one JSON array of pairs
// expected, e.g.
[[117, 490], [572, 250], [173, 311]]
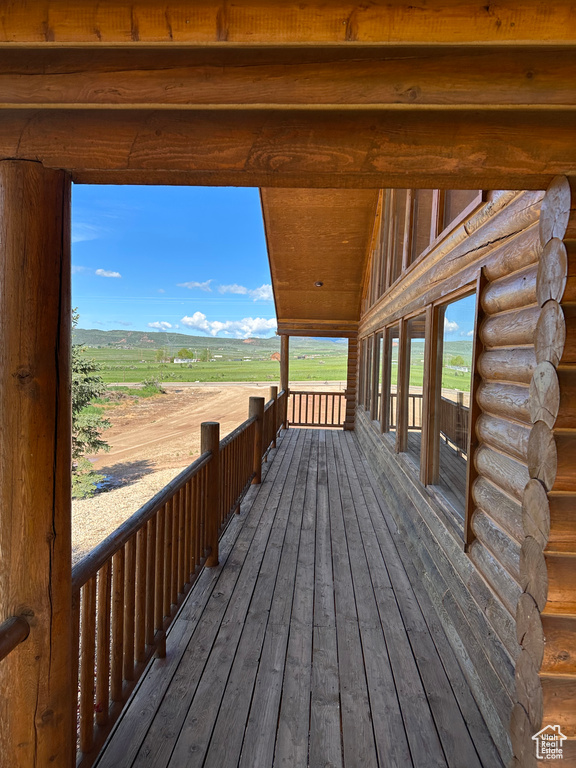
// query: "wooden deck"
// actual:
[[309, 644]]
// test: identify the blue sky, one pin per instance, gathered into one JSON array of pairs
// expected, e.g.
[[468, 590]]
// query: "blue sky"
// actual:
[[459, 319], [184, 259]]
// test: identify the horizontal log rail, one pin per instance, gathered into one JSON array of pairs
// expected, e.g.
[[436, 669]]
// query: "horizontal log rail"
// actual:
[[454, 418], [127, 591], [13, 631], [415, 402], [316, 409]]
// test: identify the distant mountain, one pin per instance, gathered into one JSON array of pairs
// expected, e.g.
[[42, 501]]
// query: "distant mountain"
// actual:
[[175, 341]]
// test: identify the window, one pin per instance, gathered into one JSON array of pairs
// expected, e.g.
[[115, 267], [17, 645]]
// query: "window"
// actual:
[[455, 202], [413, 401], [377, 377], [452, 401], [422, 212], [398, 231], [389, 412], [366, 373]]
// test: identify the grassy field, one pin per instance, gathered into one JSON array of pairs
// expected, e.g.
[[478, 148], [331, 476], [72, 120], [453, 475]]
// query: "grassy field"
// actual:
[[136, 365]]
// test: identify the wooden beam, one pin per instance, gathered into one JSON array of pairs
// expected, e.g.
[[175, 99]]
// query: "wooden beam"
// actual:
[[250, 22], [37, 707], [284, 362], [312, 149], [389, 78]]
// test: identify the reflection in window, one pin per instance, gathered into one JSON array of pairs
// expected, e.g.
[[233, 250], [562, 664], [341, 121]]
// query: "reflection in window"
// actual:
[[389, 416], [422, 208], [399, 203], [456, 201], [416, 343], [453, 400], [377, 398], [367, 373]]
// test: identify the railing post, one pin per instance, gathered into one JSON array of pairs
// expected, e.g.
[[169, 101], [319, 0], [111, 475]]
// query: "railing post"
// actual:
[[210, 441], [257, 409], [285, 373], [274, 396]]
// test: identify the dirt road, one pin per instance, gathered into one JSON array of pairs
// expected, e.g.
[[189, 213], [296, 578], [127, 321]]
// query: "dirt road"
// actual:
[[163, 432]]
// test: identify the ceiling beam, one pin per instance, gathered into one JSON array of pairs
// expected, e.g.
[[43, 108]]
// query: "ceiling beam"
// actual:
[[367, 149], [412, 79], [264, 22]]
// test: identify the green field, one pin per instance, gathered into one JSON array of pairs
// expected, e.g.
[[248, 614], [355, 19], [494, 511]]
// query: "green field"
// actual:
[[136, 365]]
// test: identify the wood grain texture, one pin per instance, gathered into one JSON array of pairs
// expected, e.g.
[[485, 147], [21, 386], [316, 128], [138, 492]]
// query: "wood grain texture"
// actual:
[[544, 394], [504, 435], [511, 292], [552, 272], [529, 628], [508, 364], [258, 22], [399, 78], [510, 328], [509, 401], [542, 455], [311, 148], [550, 335], [36, 707], [555, 210], [533, 572], [536, 512]]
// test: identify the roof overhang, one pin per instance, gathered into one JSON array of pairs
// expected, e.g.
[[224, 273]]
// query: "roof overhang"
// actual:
[[318, 236]]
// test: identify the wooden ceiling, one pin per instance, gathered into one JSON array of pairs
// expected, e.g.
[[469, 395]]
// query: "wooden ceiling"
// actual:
[[318, 235]]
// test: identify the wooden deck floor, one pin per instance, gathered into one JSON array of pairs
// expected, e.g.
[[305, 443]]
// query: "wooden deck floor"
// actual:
[[308, 645]]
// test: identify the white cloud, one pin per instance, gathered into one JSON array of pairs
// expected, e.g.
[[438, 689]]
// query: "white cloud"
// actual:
[[450, 326], [263, 293], [162, 325], [107, 273], [470, 333], [205, 286], [82, 232], [241, 329], [161, 290], [234, 288], [76, 269]]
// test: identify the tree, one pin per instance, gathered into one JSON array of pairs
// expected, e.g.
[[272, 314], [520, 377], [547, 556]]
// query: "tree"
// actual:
[[184, 354], [162, 355], [87, 423], [457, 360]]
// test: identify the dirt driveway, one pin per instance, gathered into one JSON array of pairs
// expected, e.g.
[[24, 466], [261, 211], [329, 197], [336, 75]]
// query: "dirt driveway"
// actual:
[[163, 432]]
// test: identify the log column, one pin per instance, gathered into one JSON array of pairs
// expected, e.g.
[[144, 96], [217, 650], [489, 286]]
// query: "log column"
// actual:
[[352, 376], [36, 690], [285, 372]]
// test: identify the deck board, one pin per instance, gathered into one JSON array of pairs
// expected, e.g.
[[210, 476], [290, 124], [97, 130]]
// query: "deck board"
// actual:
[[309, 644]]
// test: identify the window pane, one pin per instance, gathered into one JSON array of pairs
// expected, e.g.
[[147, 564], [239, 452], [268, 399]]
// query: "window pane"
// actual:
[[422, 200], [398, 232], [455, 201], [390, 389], [377, 376], [368, 374], [454, 405], [416, 343]]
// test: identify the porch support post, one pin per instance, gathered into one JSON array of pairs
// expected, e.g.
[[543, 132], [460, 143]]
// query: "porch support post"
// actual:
[[285, 372], [351, 383], [36, 690]]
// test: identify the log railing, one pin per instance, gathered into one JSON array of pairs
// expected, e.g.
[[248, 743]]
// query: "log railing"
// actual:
[[415, 401], [316, 409], [128, 589], [13, 631], [454, 423]]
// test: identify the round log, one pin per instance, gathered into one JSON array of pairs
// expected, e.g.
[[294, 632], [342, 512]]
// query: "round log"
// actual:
[[504, 435], [506, 586], [508, 364], [507, 400], [529, 630], [544, 394], [555, 210], [536, 512], [521, 733], [550, 335], [533, 571], [529, 689], [504, 509], [542, 455], [552, 272], [499, 542], [511, 292], [510, 329], [505, 472], [514, 254]]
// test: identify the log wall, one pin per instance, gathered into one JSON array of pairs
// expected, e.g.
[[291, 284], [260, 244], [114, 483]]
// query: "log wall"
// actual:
[[490, 597]]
